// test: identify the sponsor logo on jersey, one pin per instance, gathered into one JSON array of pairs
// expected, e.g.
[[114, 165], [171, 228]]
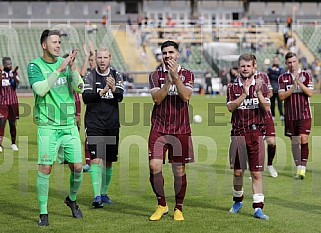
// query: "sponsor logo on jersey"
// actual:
[[296, 90], [172, 89], [60, 81], [108, 95], [250, 103]]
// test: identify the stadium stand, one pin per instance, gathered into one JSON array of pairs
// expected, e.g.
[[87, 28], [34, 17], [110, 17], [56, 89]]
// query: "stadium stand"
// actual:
[[30, 47], [212, 21], [310, 36]]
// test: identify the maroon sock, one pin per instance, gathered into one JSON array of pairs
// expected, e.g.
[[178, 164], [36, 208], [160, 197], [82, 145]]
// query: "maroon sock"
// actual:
[[258, 205], [238, 199], [296, 152], [13, 133], [271, 154], [304, 154], [157, 182], [180, 184], [1, 133], [87, 154]]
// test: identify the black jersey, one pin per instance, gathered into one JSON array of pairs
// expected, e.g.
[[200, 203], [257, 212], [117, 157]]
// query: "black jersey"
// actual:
[[102, 112]]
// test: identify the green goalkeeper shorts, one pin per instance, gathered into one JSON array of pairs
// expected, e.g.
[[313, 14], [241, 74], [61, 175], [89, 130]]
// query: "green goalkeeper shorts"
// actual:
[[64, 142]]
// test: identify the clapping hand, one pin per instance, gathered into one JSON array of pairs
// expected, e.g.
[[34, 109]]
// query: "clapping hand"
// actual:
[[87, 53], [258, 85], [111, 83], [173, 67], [69, 61], [72, 56], [296, 79]]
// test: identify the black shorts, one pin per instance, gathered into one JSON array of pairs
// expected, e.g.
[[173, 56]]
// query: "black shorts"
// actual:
[[103, 143]]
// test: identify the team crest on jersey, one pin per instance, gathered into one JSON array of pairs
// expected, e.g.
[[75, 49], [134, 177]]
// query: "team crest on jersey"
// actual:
[[255, 94], [302, 78], [182, 77]]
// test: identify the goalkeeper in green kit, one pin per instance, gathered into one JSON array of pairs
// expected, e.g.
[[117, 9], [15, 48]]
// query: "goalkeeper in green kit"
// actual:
[[53, 79]]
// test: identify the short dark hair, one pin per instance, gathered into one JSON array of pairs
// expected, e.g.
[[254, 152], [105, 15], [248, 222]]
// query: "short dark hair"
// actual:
[[46, 33], [4, 59], [247, 57], [289, 55], [169, 43]]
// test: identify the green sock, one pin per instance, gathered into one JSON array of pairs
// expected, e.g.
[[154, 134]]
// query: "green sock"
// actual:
[[75, 181], [95, 175], [43, 190], [106, 177]]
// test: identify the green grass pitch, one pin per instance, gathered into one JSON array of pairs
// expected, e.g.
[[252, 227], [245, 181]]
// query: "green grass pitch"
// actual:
[[293, 206]]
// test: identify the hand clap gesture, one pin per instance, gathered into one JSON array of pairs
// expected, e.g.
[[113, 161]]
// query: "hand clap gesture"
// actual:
[[173, 67], [69, 61], [111, 83], [258, 85]]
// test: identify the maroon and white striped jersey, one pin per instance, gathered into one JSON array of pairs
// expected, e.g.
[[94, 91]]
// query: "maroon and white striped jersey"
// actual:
[[249, 115], [266, 79], [8, 94], [171, 116], [297, 105]]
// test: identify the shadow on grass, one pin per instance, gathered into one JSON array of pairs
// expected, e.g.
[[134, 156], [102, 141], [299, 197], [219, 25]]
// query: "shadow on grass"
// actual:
[[53, 194], [16, 210], [300, 206], [127, 208], [86, 203], [212, 206]]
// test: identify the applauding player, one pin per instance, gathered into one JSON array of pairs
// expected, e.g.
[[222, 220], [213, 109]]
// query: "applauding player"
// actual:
[[171, 89], [247, 100], [51, 78], [296, 88]]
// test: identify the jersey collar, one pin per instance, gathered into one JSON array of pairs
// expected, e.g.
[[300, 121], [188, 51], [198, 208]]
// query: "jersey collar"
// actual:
[[299, 71], [241, 84], [166, 70], [108, 72]]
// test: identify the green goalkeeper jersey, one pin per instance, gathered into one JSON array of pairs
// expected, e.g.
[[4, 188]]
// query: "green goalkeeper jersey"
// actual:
[[56, 108]]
